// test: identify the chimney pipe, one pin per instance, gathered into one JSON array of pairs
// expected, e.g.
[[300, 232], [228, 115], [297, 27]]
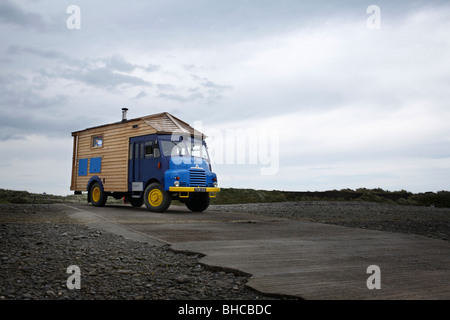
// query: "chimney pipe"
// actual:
[[124, 114]]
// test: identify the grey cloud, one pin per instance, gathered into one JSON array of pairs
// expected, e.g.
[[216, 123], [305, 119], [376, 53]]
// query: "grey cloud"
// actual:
[[49, 54], [141, 95], [212, 85], [181, 98], [207, 94], [206, 91], [46, 124], [103, 78], [16, 94], [117, 62], [84, 71], [203, 23], [25, 111], [11, 13], [175, 97], [165, 86], [205, 82], [151, 67], [189, 67]]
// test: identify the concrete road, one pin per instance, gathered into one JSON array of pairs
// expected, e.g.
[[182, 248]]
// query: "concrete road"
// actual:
[[289, 257]]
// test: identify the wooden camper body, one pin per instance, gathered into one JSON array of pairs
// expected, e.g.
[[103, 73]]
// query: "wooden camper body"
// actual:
[[109, 160]]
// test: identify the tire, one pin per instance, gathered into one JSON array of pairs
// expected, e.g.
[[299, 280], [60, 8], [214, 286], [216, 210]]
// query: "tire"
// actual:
[[156, 199], [97, 195], [136, 202], [198, 202]]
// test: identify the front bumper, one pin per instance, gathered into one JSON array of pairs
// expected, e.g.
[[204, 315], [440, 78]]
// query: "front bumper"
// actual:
[[194, 189], [184, 191]]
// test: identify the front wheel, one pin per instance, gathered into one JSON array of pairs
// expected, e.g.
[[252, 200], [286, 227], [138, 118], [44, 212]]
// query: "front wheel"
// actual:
[[156, 199], [198, 202]]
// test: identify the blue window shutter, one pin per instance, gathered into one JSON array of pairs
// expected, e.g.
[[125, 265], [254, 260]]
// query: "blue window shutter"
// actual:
[[95, 165], [82, 167]]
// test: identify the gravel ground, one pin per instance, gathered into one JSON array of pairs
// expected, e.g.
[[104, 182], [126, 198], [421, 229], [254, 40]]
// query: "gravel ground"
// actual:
[[39, 242]]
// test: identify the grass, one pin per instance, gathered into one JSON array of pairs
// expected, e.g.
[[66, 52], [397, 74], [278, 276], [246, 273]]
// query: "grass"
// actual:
[[25, 197], [240, 196], [236, 196]]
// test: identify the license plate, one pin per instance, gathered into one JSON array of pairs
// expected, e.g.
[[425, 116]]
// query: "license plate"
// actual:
[[199, 189]]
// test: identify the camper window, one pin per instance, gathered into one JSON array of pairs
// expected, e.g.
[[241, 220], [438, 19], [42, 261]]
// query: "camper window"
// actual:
[[97, 141]]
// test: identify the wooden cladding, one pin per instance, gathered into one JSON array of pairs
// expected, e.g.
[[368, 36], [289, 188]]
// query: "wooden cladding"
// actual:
[[106, 148]]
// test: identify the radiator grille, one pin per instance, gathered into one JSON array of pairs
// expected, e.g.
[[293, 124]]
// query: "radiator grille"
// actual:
[[197, 178]]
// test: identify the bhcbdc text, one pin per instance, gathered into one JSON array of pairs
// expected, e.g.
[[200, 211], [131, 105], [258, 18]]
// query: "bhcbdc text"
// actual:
[[246, 309]]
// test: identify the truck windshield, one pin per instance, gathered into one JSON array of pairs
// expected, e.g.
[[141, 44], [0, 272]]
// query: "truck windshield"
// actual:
[[182, 148], [174, 148], [199, 150]]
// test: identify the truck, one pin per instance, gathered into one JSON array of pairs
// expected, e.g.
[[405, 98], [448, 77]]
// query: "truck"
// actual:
[[149, 160]]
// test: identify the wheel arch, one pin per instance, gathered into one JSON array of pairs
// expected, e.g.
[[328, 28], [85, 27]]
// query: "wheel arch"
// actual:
[[152, 180]]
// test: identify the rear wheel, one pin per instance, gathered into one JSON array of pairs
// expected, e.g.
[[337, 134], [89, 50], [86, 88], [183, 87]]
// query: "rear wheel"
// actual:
[[198, 202], [98, 196], [156, 199]]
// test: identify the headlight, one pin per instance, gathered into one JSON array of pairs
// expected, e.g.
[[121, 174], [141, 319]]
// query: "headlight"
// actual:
[[176, 183], [215, 184]]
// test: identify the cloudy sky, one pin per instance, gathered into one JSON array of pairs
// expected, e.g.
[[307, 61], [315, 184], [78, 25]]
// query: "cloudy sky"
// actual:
[[321, 98]]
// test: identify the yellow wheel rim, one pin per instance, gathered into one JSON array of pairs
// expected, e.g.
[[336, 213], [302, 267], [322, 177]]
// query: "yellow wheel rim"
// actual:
[[96, 194], [155, 197]]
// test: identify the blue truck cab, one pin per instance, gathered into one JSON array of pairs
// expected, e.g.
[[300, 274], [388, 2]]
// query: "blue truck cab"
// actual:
[[166, 167]]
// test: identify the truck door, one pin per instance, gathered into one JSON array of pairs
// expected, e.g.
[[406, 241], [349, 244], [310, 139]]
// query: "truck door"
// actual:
[[144, 159]]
